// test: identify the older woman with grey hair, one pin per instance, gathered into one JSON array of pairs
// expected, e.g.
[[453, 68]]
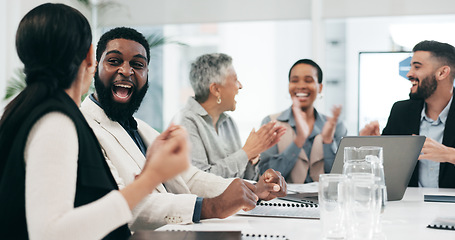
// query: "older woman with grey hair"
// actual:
[[214, 137]]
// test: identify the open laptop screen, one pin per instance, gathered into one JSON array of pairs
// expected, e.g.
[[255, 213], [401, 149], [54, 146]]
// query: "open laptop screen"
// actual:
[[400, 158]]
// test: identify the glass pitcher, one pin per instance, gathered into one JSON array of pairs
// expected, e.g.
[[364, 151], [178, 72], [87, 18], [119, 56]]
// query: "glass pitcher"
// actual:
[[366, 159]]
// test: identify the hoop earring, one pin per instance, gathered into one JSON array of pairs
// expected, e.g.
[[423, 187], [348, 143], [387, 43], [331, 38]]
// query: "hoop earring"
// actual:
[[218, 100]]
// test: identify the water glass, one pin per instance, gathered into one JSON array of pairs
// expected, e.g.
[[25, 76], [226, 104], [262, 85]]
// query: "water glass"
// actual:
[[332, 205], [363, 205]]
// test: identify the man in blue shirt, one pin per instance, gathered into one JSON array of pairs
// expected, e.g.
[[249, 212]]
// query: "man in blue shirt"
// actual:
[[430, 112]]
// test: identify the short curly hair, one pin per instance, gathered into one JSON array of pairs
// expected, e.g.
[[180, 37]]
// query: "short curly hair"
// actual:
[[121, 33]]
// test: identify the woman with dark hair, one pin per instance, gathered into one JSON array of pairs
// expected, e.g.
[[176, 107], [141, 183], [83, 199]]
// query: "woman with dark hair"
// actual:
[[54, 181], [308, 147]]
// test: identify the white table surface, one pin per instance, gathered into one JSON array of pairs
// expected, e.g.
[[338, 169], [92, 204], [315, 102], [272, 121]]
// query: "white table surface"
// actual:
[[405, 219]]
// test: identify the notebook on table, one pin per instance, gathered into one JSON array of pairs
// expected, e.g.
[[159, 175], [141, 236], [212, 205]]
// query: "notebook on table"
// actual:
[[443, 223], [186, 235], [284, 209], [400, 158]]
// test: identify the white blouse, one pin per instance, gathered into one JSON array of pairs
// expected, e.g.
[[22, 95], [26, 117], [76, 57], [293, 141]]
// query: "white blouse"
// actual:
[[51, 155]]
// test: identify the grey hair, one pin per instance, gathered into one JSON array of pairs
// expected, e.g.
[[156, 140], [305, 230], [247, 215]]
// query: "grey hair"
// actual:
[[208, 69]]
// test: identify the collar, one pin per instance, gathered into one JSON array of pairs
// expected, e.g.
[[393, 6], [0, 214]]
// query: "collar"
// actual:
[[195, 106], [92, 97], [442, 116]]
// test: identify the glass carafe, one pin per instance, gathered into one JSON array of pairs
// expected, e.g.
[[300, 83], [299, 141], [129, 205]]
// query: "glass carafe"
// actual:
[[366, 159]]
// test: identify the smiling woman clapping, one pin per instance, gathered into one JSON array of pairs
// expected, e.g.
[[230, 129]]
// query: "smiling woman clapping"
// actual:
[[308, 148]]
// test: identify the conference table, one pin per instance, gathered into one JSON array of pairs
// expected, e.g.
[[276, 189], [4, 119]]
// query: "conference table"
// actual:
[[404, 219]]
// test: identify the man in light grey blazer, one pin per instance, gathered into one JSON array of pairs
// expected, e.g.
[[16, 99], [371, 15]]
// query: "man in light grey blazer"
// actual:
[[121, 82]]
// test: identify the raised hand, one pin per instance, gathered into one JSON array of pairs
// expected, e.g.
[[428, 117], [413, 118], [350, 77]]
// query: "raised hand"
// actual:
[[239, 195], [267, 136], [301, 124], [371, 129], [271, 185], [328, 131]]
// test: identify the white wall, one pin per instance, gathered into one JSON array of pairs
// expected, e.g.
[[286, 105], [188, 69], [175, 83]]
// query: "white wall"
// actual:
[[261, 58], [366, 34], [152, 12]]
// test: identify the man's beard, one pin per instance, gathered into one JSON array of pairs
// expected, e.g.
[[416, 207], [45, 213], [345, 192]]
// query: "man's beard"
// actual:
[[119, 112], [426, 88]]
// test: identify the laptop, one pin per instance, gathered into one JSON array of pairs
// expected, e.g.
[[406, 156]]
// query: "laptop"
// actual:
[[400, 158]]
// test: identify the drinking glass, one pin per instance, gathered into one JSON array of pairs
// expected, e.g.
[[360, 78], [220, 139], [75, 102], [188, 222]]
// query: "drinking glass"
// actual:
[[332, 205], [363, 205]]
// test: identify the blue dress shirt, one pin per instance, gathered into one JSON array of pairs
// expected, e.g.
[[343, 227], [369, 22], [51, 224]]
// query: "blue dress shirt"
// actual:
[[434, 129]]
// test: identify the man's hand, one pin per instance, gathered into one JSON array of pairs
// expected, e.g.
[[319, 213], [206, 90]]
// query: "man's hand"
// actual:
[[437, 152], [271, 185], [328, 131], [371, 129], [239, 195]]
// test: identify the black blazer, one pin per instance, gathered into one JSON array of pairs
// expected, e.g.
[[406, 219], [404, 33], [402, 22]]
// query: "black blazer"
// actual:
[[404, 119]]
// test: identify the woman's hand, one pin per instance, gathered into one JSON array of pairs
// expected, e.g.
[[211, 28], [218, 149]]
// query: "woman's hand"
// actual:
[[267, 136], [301, 125], [328, 131]]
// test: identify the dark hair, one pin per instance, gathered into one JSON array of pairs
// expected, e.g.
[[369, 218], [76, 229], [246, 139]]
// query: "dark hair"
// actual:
[[121, 33], [309, 62], [444, 52], [52, 40]]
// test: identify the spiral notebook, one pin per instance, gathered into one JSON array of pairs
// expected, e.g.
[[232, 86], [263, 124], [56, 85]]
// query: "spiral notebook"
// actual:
[[283, 209], [202, 235], [443, 223], [186, 235]]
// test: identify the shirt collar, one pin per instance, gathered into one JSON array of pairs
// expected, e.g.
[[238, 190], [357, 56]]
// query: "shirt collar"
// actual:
[[442, 116], [197, 108], [92, 97]]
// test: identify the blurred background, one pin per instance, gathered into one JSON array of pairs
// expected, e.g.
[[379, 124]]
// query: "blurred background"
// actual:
[[361, 45]]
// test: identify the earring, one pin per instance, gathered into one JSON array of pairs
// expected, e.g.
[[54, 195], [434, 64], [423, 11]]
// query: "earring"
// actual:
[[320, 95], [218, 100]]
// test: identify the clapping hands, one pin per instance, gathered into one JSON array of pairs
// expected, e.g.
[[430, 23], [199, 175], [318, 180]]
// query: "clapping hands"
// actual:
[[261, 140], [328, 131]]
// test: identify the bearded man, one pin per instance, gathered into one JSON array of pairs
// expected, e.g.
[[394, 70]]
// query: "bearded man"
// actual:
[[121, 82], [430, 112]]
